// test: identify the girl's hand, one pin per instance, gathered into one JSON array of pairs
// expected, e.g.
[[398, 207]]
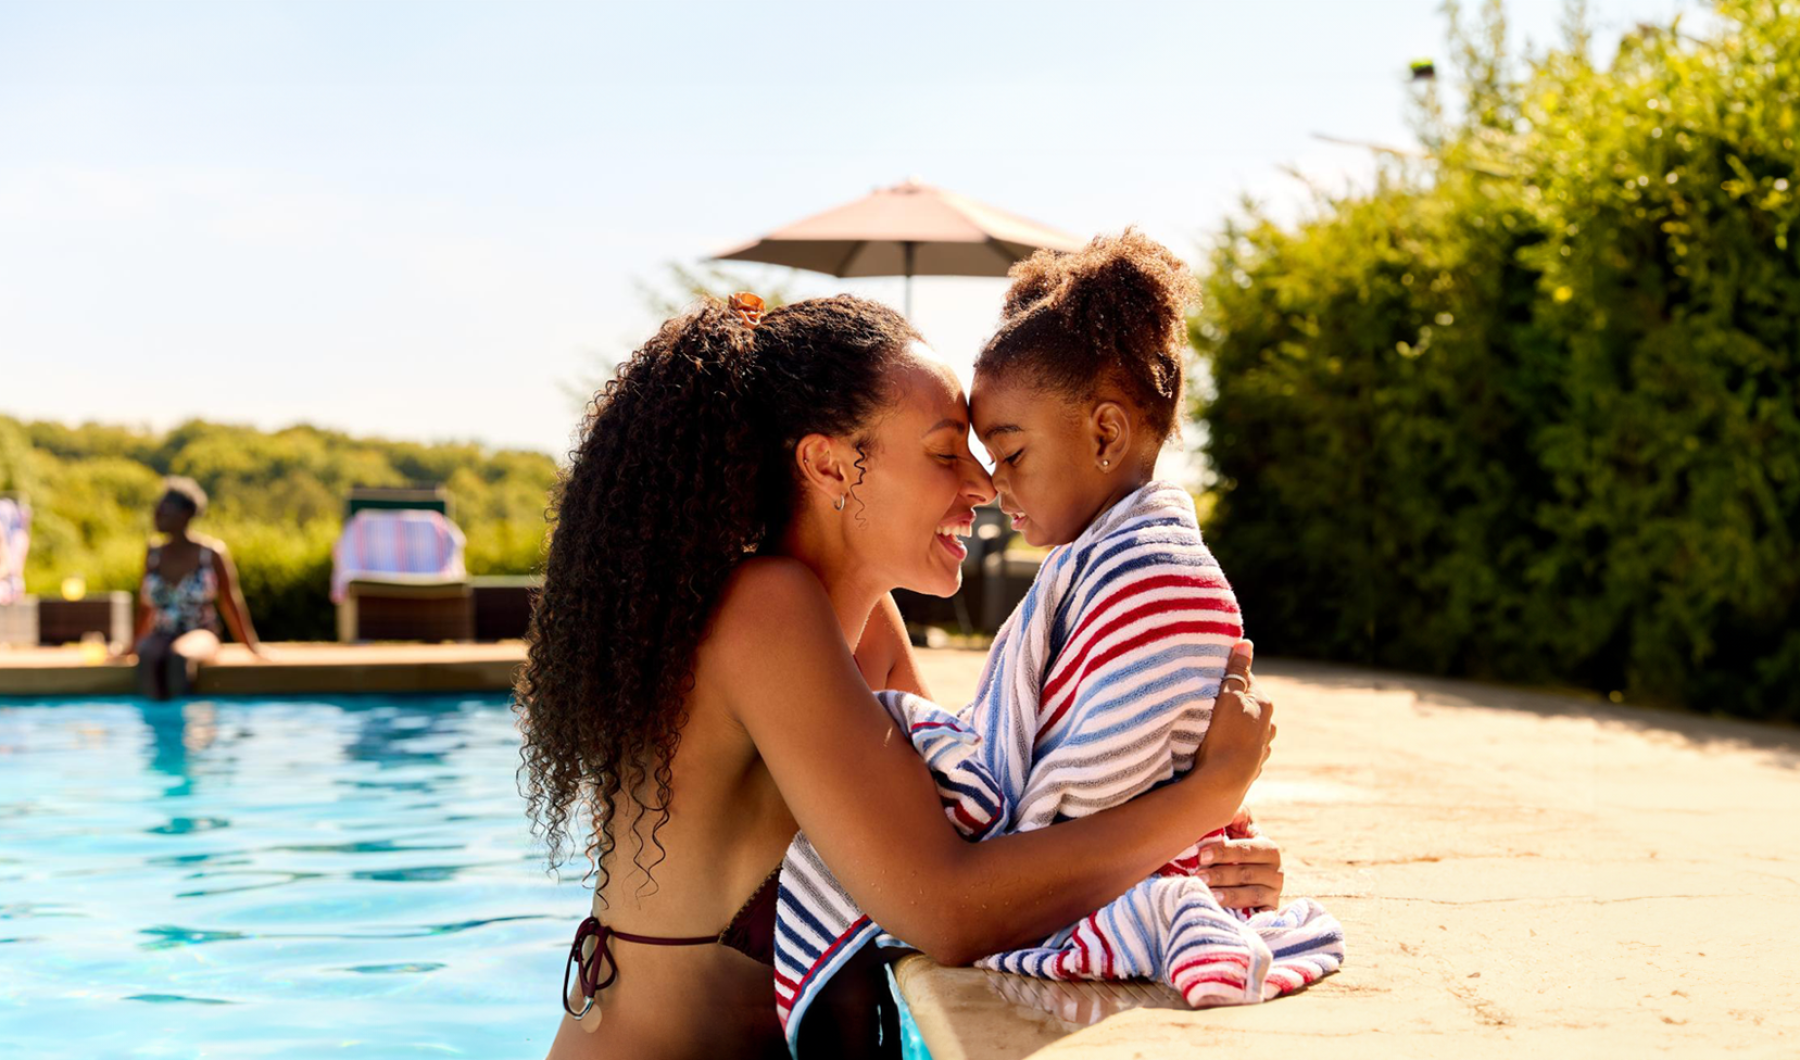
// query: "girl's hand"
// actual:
[[1243, 873], [1237, 741]]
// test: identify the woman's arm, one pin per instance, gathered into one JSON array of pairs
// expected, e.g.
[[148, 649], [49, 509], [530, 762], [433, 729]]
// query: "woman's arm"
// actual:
[[870, 805], [884, 641], [231, 600]]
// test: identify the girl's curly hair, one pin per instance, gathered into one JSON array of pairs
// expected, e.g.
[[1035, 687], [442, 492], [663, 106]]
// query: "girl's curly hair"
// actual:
[[1114, 311], [685, 465]]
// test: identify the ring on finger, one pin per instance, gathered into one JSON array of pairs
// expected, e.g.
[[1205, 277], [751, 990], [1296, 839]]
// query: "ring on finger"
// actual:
[[1243, 681]]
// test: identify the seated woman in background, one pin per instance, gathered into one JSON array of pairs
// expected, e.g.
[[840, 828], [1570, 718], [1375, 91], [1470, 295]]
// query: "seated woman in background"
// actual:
[[188, 580]]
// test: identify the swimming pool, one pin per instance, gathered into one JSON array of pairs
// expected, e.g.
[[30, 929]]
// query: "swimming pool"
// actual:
[[350, 877]]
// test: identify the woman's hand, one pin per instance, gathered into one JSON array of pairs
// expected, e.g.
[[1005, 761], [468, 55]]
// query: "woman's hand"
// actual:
[[1242, 728], [1243, 872]]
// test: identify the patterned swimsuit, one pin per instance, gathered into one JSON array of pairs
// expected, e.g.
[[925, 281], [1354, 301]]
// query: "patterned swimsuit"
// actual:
[[187, 604]]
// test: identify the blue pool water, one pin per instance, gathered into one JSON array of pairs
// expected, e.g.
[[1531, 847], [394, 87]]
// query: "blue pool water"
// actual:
[[273, 878]]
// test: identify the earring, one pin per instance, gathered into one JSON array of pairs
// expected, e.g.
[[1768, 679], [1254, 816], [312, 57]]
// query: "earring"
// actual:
[[1106, 463], [839, 506]]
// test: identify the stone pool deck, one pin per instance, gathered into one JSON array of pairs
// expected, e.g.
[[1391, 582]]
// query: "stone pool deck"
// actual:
[[1518, 874], [292, 668]]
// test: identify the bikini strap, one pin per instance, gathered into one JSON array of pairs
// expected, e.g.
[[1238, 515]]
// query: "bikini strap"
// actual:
[[589, 967]]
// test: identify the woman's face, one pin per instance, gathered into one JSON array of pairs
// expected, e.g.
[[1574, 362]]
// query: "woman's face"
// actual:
[[917, 499], [171, 514]]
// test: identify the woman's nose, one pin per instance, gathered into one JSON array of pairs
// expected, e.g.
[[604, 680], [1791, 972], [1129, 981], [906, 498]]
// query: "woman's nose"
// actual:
[[977, 485]]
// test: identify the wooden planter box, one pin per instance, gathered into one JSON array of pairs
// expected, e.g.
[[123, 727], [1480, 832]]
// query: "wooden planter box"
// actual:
[[503, 605], [65, 621]]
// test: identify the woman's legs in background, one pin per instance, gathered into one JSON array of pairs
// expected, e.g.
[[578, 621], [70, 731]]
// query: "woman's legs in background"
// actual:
[[167, 664], [188, 651]]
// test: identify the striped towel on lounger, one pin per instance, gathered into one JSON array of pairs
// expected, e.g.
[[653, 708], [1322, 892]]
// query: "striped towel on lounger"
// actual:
[[377, 543], [1098, 688]]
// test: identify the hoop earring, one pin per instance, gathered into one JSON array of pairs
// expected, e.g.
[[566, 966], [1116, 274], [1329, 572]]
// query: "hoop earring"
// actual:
[[839, 506]]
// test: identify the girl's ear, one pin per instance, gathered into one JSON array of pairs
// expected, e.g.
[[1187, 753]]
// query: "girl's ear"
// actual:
[[1109, 429], [823, 467]]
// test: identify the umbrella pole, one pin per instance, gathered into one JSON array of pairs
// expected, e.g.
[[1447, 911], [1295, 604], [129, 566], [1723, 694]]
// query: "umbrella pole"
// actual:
[[909, 249]]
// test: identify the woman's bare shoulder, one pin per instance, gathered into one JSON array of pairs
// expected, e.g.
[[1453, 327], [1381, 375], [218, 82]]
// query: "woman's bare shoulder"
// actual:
[[210, 543], [768, 597]]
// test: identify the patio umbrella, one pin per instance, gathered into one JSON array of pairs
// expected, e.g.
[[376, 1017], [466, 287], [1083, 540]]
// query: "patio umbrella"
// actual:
[[910, 229]]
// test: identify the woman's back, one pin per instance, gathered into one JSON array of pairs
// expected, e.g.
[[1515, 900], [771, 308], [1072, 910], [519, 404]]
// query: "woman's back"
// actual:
[[727, 831]]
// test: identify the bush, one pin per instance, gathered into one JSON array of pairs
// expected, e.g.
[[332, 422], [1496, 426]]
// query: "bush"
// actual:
[[1529, 410]]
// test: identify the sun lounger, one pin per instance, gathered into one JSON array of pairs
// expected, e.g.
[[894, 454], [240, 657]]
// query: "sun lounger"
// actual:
[[398, 571]]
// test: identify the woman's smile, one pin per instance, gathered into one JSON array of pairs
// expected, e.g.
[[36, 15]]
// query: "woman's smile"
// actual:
[[951, 532]]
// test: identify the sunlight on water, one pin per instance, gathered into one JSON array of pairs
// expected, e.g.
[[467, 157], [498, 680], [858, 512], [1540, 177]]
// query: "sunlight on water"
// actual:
[[272, 878]]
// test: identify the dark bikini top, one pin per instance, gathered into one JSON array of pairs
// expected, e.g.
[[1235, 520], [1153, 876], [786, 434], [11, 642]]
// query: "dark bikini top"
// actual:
[[751, 932]]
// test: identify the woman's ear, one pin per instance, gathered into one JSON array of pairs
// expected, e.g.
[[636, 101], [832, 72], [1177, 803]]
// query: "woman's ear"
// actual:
[[1109, 426], [822, 466]]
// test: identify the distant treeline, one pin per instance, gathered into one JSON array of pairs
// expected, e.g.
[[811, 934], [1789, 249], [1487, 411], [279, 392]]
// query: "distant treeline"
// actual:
[[277, 499]]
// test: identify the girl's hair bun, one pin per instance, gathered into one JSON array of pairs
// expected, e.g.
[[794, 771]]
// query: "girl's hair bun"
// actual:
[[1115, 310]]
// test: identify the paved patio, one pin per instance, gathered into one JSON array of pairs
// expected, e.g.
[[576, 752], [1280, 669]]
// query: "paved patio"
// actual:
[[1517, 874]]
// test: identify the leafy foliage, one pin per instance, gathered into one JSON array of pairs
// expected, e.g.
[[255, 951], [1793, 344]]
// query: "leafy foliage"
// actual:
[[277, 500], [1531, 408]]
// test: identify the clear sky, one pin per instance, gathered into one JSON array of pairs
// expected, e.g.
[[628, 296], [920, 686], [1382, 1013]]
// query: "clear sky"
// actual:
[[427, 220]]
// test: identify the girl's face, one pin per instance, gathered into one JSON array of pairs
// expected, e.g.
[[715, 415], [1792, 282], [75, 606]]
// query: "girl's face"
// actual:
[[1045, 462], [916, 501]]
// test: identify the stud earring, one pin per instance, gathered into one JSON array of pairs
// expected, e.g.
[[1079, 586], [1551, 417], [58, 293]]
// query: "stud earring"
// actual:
[[839, 506], [1106, 463]]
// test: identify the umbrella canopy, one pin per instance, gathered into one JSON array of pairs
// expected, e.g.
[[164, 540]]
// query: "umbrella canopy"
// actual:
[[911, 229]]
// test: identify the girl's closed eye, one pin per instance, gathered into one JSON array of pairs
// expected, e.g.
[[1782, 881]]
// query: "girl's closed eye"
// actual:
[[1012, 458]]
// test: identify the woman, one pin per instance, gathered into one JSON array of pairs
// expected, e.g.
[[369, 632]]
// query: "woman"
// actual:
[[188, 580], [745, 495]]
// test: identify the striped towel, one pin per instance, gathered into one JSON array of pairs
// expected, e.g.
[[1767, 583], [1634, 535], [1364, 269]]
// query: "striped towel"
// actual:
[[1098, 688], [378, 543], [15, 542]]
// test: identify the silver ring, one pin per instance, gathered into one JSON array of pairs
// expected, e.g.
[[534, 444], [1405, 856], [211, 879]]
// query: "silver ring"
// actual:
[[1224, 685]]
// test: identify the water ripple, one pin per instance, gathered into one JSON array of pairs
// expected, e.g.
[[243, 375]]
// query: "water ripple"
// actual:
[[164, 999], [189, 825]]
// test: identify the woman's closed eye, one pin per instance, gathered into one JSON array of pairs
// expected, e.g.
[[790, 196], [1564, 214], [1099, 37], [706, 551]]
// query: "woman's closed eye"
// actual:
[[1013, 457]]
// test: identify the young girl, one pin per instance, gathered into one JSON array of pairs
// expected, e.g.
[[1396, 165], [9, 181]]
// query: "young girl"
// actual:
[[1101, 685]]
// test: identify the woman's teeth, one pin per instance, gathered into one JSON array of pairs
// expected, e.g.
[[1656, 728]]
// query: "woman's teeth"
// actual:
[[955, 530]]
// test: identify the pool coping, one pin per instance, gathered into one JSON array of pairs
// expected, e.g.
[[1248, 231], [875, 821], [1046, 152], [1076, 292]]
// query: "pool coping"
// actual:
[[292, 668]]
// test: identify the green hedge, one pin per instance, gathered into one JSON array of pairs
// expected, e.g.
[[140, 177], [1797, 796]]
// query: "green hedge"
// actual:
[[1529, 410], [276, 499]]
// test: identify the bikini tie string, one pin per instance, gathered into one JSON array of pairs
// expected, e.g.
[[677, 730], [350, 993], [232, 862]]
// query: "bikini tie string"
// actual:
[[588, 968]]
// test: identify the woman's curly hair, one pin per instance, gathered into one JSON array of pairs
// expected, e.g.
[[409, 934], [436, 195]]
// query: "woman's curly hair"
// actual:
[[1114, 311], [685, 465]]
